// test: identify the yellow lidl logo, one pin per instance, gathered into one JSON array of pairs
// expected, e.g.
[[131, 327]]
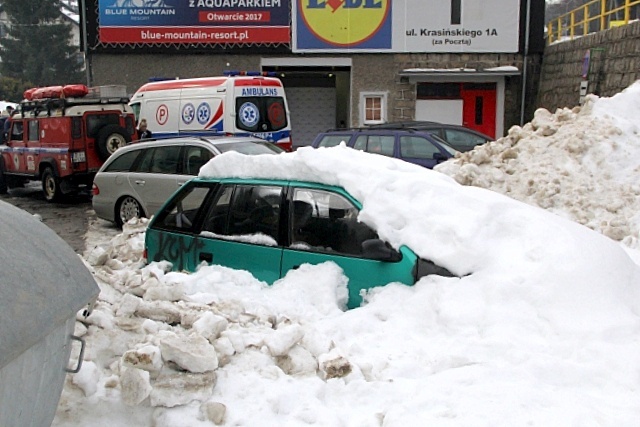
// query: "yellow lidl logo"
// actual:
[[344, 22]]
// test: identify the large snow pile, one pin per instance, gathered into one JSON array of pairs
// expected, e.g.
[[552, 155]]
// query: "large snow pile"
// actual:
[[581, 163], [541, 327]]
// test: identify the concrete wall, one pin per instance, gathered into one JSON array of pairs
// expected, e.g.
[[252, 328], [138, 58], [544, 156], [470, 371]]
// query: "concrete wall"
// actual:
[[615, 64]]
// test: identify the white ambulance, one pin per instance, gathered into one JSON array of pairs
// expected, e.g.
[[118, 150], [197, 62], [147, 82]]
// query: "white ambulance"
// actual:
[[238, 103]]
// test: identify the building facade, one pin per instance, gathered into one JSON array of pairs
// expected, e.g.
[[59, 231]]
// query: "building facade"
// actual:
[[344, 63]]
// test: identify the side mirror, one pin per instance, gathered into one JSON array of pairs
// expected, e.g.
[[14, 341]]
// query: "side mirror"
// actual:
[[378, 250], [439, 157]]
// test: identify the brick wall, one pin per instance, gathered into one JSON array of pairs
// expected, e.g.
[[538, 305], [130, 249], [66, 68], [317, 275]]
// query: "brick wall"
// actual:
[[615, 64]]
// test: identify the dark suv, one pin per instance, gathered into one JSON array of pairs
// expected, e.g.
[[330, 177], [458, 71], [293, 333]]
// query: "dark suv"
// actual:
[[421, 148], [459, 137]]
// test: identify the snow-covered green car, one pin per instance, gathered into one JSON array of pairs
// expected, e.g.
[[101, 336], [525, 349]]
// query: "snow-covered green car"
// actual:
[[269, 227]]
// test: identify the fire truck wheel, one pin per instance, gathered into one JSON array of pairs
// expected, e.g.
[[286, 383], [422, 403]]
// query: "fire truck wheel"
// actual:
[[110, 138], [128, 208], [51, 186], [3, 182]]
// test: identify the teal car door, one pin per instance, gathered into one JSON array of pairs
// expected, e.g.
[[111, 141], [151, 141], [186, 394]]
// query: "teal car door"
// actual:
[[241, 230], [323, 226], [172, 236]]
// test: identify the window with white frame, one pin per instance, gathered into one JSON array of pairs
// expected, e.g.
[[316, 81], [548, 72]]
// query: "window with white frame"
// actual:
[[373, 108]]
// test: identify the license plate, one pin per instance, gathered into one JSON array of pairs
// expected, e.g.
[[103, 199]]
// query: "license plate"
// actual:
[[79, 157]]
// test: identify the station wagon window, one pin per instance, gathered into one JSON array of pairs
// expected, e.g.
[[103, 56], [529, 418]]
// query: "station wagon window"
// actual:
[[417, 147], [33, 131], [379, 144], [194, 159], [181, 214], [123, 163], [324, 221], [161, 160]]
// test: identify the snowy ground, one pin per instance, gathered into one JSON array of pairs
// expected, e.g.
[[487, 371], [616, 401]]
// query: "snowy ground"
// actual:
[[542, 329]]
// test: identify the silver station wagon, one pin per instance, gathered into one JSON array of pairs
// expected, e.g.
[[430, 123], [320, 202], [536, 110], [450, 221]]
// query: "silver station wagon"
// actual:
[[137, 179]]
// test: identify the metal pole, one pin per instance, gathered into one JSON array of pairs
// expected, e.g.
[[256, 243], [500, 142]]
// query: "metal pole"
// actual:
[[85, 42], [526, 61]]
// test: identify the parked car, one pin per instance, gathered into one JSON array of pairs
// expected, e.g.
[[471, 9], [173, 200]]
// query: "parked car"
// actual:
[[269, 227], [409, 145], [459, 137], [139, 178]]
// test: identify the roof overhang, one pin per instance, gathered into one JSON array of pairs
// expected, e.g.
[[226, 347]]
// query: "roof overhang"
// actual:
[[458, 74]]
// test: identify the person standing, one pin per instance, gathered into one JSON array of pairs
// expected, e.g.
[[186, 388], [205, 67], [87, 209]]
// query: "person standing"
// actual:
[[6, 125], [143, 131]]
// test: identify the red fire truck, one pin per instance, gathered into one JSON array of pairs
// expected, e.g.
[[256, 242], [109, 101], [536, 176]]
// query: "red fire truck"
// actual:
[[62, 135]]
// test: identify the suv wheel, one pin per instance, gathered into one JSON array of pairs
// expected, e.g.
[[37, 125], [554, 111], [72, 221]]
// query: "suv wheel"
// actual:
[[51, 186], [110, 138], [128, 208]]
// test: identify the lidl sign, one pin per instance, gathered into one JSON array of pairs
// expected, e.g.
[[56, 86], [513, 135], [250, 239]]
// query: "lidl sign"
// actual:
[[405, 25], [331, 23]]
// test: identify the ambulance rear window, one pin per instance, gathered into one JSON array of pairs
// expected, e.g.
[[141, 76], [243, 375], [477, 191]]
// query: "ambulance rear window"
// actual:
[[261, 114]]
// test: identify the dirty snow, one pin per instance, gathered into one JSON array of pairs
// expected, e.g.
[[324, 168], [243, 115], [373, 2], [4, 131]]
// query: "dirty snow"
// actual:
[[542, 328]]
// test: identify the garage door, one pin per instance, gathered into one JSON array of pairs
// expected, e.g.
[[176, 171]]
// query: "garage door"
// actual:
[[313, 110]]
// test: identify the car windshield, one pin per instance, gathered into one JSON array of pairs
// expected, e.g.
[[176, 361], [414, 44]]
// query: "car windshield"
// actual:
[[444, 144], [249, 147]]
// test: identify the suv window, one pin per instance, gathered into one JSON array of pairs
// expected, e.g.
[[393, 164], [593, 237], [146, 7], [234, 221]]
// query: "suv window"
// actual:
[[333, 140], [16, 130], [379, 144], [417, 147], [323, 221], [95, 122], [124, 162], [33, 133], [464, 139]]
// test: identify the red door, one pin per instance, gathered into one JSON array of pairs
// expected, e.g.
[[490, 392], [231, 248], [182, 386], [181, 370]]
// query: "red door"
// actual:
[[479, 107]]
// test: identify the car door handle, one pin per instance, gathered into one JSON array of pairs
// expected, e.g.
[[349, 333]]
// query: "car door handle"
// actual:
[[205, 256], [140, 182], [295, 267]]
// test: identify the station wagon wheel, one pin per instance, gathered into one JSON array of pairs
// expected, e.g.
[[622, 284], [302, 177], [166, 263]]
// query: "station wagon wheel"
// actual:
[[128, 208], [51, 185], [110, 138]]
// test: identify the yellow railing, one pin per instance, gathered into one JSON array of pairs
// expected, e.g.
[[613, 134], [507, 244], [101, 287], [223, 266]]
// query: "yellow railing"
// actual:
[[597, 15]]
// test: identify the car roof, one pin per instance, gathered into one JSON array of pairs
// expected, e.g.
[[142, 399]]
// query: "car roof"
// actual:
[[177, 140], [426, 125]]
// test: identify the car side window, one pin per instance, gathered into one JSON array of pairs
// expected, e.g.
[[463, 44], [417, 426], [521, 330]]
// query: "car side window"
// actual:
[[161, 160], [16, 130], [333, 140], [254, 214], [380, 144], [465, 139], [323, 221], [194, 159], [181, 213], [417, 147], [33, 133], [123, 163], [361, 143]]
